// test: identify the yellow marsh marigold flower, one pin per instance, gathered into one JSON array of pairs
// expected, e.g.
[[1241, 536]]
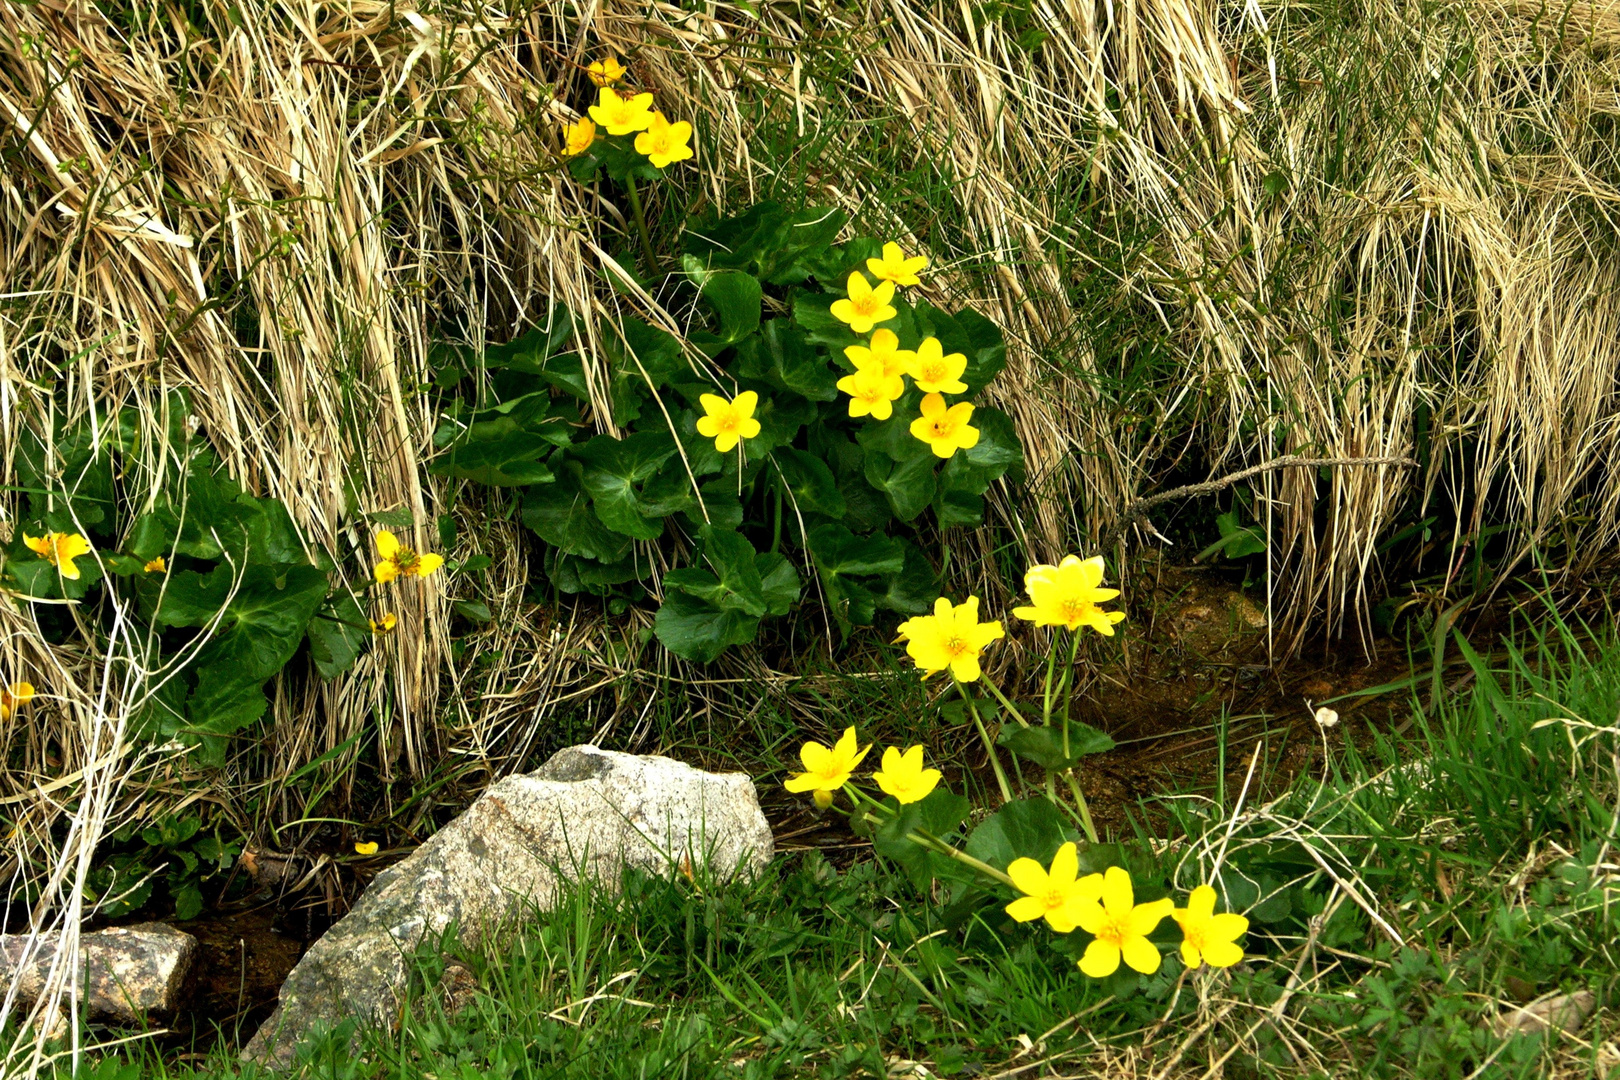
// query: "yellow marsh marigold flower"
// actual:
[[1068, 594], [728, 422], [868, 395], [952, 637], [385, 625], [936, 373], [826, 768], [884, 358], [59, 549], [15, 697], [400, 561], [1054, 895], [367, 848], [865, 306], [1207, 937], [606, 72], [904, 777], [156, 566], [945, 430], [578, 137], [664, 142], [1121, 927], [895, 267], [620, 115]]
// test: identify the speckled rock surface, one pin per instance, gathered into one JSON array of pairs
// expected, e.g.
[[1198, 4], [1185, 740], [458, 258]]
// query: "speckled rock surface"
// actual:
[[129, 972], [585, 813]]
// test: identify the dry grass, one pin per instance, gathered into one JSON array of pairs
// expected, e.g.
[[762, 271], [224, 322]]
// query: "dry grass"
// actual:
[[1360, 215]]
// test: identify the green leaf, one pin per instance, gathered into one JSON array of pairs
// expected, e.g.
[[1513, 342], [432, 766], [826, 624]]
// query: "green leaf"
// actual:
[[913, 588], [613, 468], [969, 473], [1237, 539], [779, 582], [783, 357], [501, 452], [695, 629], [642, 362], [533, 351], [257, 632], [734, 585], [972, 335], [781, 416], [573, 574], [561, 513], [188, 901], [337, 633], [810, 482], [474, 610], [1033, 828], [1044, 745], [813, 314], [899, 465], [838, 551], [779, 245], [734, 295], [938, 814]]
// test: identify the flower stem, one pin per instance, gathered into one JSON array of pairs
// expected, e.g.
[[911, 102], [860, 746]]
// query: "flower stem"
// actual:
[[925, 839], [649, 263], [1068, 685], [1005, 704], [989, 747], [1046, 690], [1080, 801]]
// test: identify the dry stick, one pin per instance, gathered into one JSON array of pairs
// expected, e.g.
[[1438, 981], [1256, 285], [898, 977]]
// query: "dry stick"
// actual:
[[1290, 461]]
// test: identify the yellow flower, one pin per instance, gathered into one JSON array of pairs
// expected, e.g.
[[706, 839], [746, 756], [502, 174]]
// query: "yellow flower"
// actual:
[[156, 566], [952, 637], [1067, 595], [945, 430], [895, 267], [367, 848], [826, 769], [1121, 927], [59, 549], [1055, 894], [866, 306], [620, 115], [578, 137], [936, 373], [868, 395], [384, 625], [904, 777], [398, 561], [728, 422], [15, 697], [1207, 937], [664, 142], [883, 358], [606, 72]]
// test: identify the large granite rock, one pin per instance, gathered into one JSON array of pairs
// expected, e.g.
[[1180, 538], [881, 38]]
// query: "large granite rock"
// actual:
[[129, 972], [585, 813]]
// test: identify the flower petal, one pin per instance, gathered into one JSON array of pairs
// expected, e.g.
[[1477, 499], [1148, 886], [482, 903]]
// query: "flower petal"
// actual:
[[1227, 927], [815, 757], [426, 563], [1117, 896], [1189, 956], [1141, 955], [1101, 959], [1065, 866], [1145, 918], [745, 403], [1028, 876], [1026, 909], [1222, 953], [387, 543]]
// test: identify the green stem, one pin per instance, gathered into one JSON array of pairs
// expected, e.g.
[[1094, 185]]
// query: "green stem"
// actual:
[[649, 261], [1005, 704], [776, 527], [928, 840], [1046, 691], [1080, 801], [989, 746], [1068, 685]]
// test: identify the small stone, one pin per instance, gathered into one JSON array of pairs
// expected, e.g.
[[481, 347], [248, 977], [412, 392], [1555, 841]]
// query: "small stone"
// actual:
[[1566, 1012], [585, 814], [130, 972]]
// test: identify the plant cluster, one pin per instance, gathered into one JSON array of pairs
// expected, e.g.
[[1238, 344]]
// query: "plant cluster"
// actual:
[[805, 422]]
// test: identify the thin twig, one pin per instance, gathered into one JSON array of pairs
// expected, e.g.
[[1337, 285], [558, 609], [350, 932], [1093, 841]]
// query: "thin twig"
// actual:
[[1186, 491]]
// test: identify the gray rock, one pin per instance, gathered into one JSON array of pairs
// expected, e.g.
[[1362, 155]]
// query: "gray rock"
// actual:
[[586, 813], [129, 972], [1562, 1012]]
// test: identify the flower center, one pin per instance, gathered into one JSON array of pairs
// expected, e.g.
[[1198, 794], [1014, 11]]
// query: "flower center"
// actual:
[[660, 142], [865, 305], [726, 422], [933, 373], [1194, 936], [1073, 609], [944, 429], [405, 559], [955, 645], [1054, 900], [1114, 931]]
